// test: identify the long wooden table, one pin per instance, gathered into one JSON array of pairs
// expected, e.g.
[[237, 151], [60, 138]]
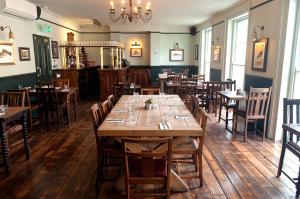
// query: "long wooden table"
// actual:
[[12, 114], [146, 123]]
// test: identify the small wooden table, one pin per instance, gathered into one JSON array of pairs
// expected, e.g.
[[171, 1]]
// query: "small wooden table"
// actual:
[[12, 114], [146, 123], [231, 95]]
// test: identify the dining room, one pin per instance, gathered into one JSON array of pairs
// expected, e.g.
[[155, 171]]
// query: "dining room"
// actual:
[[149, 99]]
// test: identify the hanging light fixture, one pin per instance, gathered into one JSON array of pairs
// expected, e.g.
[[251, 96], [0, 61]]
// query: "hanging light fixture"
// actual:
[[11, 35], [254, 34], [133, 14]]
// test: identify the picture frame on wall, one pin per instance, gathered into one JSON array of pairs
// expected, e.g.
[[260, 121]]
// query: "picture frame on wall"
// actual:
[[6, 53], [54, 49], [196, 52], [136, 52], [260, 54], [24, 54], [176, 55], [216, 54]]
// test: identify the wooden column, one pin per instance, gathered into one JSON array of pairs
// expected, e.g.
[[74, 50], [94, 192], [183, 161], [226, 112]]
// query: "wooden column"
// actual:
[[77, 57], [117, 60], [112, 57], [101, 57], [63, 55]]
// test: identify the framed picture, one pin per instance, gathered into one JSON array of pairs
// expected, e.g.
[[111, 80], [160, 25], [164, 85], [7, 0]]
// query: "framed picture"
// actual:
[[6, 53], [196, 52], [176, 55], [216, 54], [136, 52], [54, 47], [260, 54], [24, 54]]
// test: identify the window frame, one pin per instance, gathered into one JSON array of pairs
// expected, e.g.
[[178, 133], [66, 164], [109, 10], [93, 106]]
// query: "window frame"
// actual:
[[205, 43]]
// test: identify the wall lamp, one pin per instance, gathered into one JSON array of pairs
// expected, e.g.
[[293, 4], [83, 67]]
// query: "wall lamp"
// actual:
[[11, 35], [254, 35]]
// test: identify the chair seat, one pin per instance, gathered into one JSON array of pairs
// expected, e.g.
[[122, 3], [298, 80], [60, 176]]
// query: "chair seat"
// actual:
[[136, 168]]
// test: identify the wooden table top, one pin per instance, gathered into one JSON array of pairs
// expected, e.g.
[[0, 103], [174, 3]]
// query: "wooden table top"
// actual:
[[70, 90], [12, 112], [147, 122], [232, 95]]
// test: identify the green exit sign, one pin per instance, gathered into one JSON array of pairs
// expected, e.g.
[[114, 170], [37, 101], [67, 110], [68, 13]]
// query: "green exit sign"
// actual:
[[47, 28]]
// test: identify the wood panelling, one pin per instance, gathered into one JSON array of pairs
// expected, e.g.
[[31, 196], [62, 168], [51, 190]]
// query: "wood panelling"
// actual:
[[63, 165]]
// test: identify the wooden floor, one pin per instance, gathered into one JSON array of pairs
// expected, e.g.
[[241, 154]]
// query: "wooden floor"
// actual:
[[63, 165]]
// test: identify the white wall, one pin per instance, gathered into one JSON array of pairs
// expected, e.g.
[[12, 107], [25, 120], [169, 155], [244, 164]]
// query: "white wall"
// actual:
[[23, 31]]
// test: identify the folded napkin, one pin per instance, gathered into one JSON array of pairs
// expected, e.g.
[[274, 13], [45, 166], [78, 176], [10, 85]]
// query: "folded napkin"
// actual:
[[182, 116], [166, 126], [119, 110], [115, 120]]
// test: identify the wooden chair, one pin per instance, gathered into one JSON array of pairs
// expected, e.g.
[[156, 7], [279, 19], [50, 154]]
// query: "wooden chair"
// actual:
[[188, 86], [174, 79], [191, 149], [33, 107], [147, 167], [48, 104], [105, 108], [106, 146], [192, 103], [211, 89], [228, 104], [61, 83], [111, 102], [256, 109], [13, 99], [150, 91], [291, 114], [200, 78]]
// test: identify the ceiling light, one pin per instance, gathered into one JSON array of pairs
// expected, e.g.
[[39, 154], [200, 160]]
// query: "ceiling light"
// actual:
[[11, 35], [132, 14]]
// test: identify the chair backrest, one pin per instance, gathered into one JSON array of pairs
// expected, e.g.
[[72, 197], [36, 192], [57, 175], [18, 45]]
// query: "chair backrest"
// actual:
[[167, 70], [211, 87], [111, 102], [188, 86], [173, 77], [200, 78], [150, 91], [228, 85], [61, 82], [147, 167], [192, 104], [13, 99], [201, 117], [105, 108], [97, 116], [47, 98], [27, 98], [258, 103], [291, 110]]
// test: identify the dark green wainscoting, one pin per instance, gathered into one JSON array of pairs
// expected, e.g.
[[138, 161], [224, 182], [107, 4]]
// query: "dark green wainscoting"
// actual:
[[155, 70], [258, 82], [12, 82], [215, 74]]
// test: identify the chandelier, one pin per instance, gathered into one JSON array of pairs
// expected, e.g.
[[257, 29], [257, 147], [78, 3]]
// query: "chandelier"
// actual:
[[132, 14]]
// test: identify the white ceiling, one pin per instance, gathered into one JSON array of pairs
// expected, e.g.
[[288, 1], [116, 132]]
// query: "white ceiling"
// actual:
[[165, 12]]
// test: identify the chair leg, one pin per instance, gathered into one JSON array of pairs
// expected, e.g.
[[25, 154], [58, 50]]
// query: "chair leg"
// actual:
[[200, 169], [57, 121], [220, 111], [195, 161], [246, 130], [282, 153], [235, 116], [265, 130], [226, 119], [298, 185]]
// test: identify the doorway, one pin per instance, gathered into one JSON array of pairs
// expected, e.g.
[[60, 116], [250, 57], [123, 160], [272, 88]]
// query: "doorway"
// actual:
[[42, 58]]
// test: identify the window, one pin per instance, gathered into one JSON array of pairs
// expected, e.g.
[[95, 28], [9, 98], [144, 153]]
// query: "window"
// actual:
[[295, 68], [237, 34], [206, 52]]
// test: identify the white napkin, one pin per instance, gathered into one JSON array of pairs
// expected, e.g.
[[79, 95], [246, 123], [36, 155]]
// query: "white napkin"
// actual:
[[182, 116], [115, 120]]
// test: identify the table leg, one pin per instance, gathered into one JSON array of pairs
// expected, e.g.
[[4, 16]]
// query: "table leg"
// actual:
[[4, 145], [25, 136], [66, 111], [162, 86], [75, 104]]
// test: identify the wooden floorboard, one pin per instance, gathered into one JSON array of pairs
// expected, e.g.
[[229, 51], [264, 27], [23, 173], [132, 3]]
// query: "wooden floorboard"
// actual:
[[63, 165]]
